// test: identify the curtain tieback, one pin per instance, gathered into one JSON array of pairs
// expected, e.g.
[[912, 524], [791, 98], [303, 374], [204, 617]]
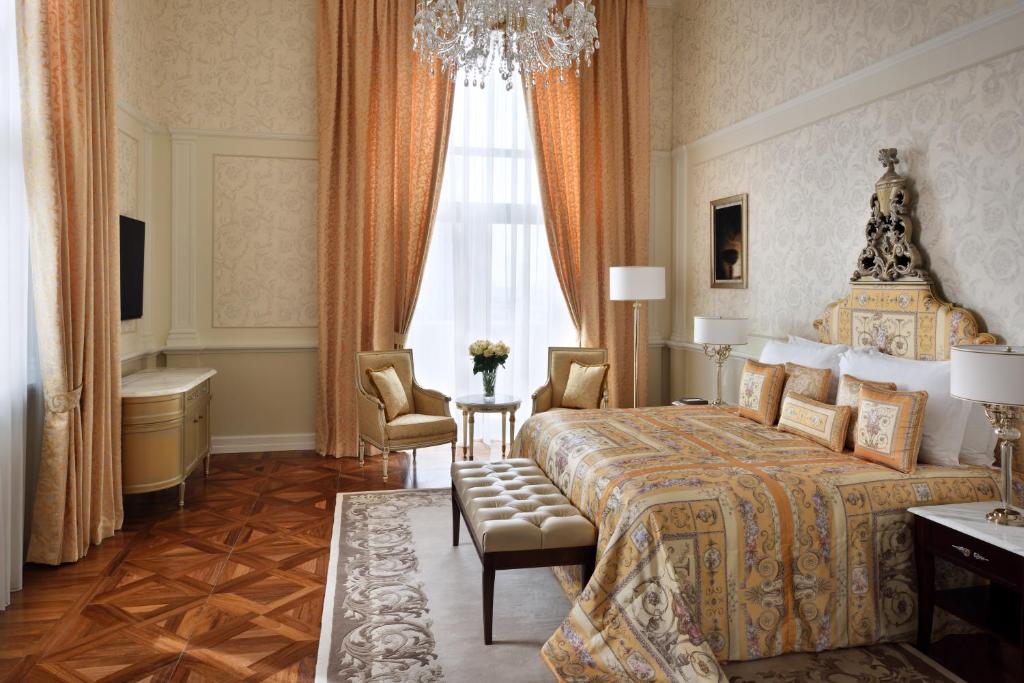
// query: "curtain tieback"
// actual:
[[64, 402], [399, 340]]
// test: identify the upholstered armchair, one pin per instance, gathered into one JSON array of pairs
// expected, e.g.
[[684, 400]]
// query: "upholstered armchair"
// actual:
[[560, 358], [427, 420]]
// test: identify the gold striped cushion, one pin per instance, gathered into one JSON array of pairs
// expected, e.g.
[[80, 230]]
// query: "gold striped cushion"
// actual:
[[392, 393], [889, 427], [849, 395], [760, 391], [819, 422], [583, 388]]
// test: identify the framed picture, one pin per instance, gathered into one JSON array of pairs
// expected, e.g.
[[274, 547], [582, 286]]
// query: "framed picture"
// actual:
[[729, 242]]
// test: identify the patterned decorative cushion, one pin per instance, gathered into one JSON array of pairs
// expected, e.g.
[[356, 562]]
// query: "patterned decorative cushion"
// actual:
[[392, 393], [810, 382], [849, 395], [889, 427], [760, 391], [583, 388], [819, 422]]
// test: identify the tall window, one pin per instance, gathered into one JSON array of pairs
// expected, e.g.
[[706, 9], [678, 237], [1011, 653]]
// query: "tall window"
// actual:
[[489, 273]]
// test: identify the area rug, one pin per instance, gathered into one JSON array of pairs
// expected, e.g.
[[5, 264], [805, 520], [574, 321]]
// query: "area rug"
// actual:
[[402, 604]]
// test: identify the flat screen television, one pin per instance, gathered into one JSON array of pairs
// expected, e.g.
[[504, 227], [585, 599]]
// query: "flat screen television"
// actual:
[[133, 250]]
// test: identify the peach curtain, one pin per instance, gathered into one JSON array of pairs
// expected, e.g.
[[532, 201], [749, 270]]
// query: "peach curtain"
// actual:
[[68, 129], [592, 137], [383, 122]]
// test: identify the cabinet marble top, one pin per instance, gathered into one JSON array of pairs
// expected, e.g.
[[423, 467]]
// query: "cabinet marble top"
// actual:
[[162, 381]]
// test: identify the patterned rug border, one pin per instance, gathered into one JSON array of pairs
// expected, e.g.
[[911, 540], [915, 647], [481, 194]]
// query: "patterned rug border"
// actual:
[[327, 614]]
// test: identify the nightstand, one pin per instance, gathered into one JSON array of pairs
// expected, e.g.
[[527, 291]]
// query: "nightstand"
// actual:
[[958, 533], [690, 402]]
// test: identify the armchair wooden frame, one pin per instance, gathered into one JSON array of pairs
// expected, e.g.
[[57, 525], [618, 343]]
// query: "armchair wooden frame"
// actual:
[[543, 398], [372, 419]]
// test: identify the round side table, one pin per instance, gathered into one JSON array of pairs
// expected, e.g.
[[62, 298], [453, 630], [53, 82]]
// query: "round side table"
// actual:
[[478, 403]]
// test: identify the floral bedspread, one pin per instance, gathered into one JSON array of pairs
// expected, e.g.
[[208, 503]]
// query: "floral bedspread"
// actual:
[[721, 539]]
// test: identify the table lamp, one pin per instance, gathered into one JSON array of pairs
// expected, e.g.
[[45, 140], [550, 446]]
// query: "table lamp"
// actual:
[[719, 335], [636, 284], [993, 376]]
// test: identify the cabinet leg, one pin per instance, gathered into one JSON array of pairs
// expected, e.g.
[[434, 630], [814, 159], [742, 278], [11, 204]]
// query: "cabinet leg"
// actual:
[[387, 452], [206, 465], [414, 456], [454, 443], [362, 452], [181, 495]]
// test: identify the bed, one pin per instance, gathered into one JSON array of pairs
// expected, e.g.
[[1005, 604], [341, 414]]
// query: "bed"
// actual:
[[723, 539]]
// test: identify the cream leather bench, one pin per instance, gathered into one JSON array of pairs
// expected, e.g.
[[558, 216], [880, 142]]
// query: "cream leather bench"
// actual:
[[517, 519]]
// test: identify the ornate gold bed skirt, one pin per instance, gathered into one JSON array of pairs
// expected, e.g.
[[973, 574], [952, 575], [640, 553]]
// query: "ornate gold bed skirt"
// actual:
[[722, 539]]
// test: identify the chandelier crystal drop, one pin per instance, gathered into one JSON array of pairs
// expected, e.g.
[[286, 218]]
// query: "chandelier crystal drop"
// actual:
[[528, 36]]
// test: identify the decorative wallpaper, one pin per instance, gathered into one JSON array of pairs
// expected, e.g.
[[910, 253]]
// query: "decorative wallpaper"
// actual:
[[127, 175], [241, 65], [264, 258], [735, 58], [660, 41], [135, 34], [961, 143]]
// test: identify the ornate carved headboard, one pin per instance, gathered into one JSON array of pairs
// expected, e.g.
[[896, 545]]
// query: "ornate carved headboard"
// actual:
[[891, 304]]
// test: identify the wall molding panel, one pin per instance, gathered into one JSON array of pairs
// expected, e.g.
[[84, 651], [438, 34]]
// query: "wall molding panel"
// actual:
[[184, 327]]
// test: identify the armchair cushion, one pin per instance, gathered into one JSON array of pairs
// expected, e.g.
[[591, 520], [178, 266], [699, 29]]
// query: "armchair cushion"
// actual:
[[583, 387], [392, 393], [560, 361], [417, 426]]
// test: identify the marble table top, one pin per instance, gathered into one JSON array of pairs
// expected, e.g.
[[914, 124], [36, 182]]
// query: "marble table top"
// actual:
[[969, 518], [162, 381], [483, 404]]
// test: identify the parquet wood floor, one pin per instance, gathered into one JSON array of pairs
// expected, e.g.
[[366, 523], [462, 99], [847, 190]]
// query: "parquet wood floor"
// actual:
[[231, 587]]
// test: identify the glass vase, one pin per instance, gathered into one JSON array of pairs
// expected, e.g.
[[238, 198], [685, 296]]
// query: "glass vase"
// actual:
[[489, 377]]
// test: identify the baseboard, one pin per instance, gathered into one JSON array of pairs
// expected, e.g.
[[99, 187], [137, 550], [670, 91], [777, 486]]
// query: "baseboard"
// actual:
[[257, 443]]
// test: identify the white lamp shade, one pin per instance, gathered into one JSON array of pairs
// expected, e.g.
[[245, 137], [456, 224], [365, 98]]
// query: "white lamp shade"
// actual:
[[988, 374], [636, 283], [715, 330]]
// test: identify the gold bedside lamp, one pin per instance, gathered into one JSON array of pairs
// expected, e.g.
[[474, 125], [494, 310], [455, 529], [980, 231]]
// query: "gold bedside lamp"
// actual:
[[994, 376], [718, 336]]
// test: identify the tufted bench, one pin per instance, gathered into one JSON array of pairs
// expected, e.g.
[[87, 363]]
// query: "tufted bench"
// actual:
[[517, 519]]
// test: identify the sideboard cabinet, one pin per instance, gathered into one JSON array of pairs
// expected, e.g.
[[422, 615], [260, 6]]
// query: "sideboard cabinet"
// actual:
[[165, 428]]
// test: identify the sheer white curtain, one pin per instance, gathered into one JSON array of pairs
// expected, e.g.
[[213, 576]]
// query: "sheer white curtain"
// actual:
[[13, 312], [489, 273]]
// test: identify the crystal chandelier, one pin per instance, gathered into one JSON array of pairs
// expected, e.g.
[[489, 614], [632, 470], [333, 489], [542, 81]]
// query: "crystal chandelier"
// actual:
[[529, 36]]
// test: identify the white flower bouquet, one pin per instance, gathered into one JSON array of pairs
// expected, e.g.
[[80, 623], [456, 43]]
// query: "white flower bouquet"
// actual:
[[487, 356]]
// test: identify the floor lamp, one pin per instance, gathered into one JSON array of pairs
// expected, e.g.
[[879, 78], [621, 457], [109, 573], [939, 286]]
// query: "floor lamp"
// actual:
[[636, 284], [994, 376]]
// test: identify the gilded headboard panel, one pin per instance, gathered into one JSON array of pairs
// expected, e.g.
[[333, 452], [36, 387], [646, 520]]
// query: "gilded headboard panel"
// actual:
[[891, 304]]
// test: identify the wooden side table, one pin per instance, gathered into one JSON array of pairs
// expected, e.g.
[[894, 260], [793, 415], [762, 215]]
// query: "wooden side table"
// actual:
[[478, 403], [959, 534]]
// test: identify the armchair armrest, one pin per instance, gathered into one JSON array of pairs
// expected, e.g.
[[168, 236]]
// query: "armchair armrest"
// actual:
[[371, 417], [604, 399], [430, 402], [542, 399]]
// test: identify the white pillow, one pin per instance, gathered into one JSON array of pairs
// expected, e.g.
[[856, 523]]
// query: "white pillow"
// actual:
[[793, 339], [807, 353], [945, 417], [979, 438]]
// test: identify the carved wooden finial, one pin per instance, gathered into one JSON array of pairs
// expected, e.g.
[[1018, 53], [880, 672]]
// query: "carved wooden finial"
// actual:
[[888, 158]]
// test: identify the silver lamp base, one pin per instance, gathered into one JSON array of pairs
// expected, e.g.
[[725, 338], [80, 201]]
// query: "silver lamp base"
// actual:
[[1007, 516]]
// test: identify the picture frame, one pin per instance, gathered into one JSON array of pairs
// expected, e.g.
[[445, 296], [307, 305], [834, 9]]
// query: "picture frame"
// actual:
[[729, 242]]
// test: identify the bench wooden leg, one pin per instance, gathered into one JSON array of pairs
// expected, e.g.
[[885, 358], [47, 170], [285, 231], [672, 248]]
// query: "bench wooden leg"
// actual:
[[588, 571], [488, 597], [455, 519]]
